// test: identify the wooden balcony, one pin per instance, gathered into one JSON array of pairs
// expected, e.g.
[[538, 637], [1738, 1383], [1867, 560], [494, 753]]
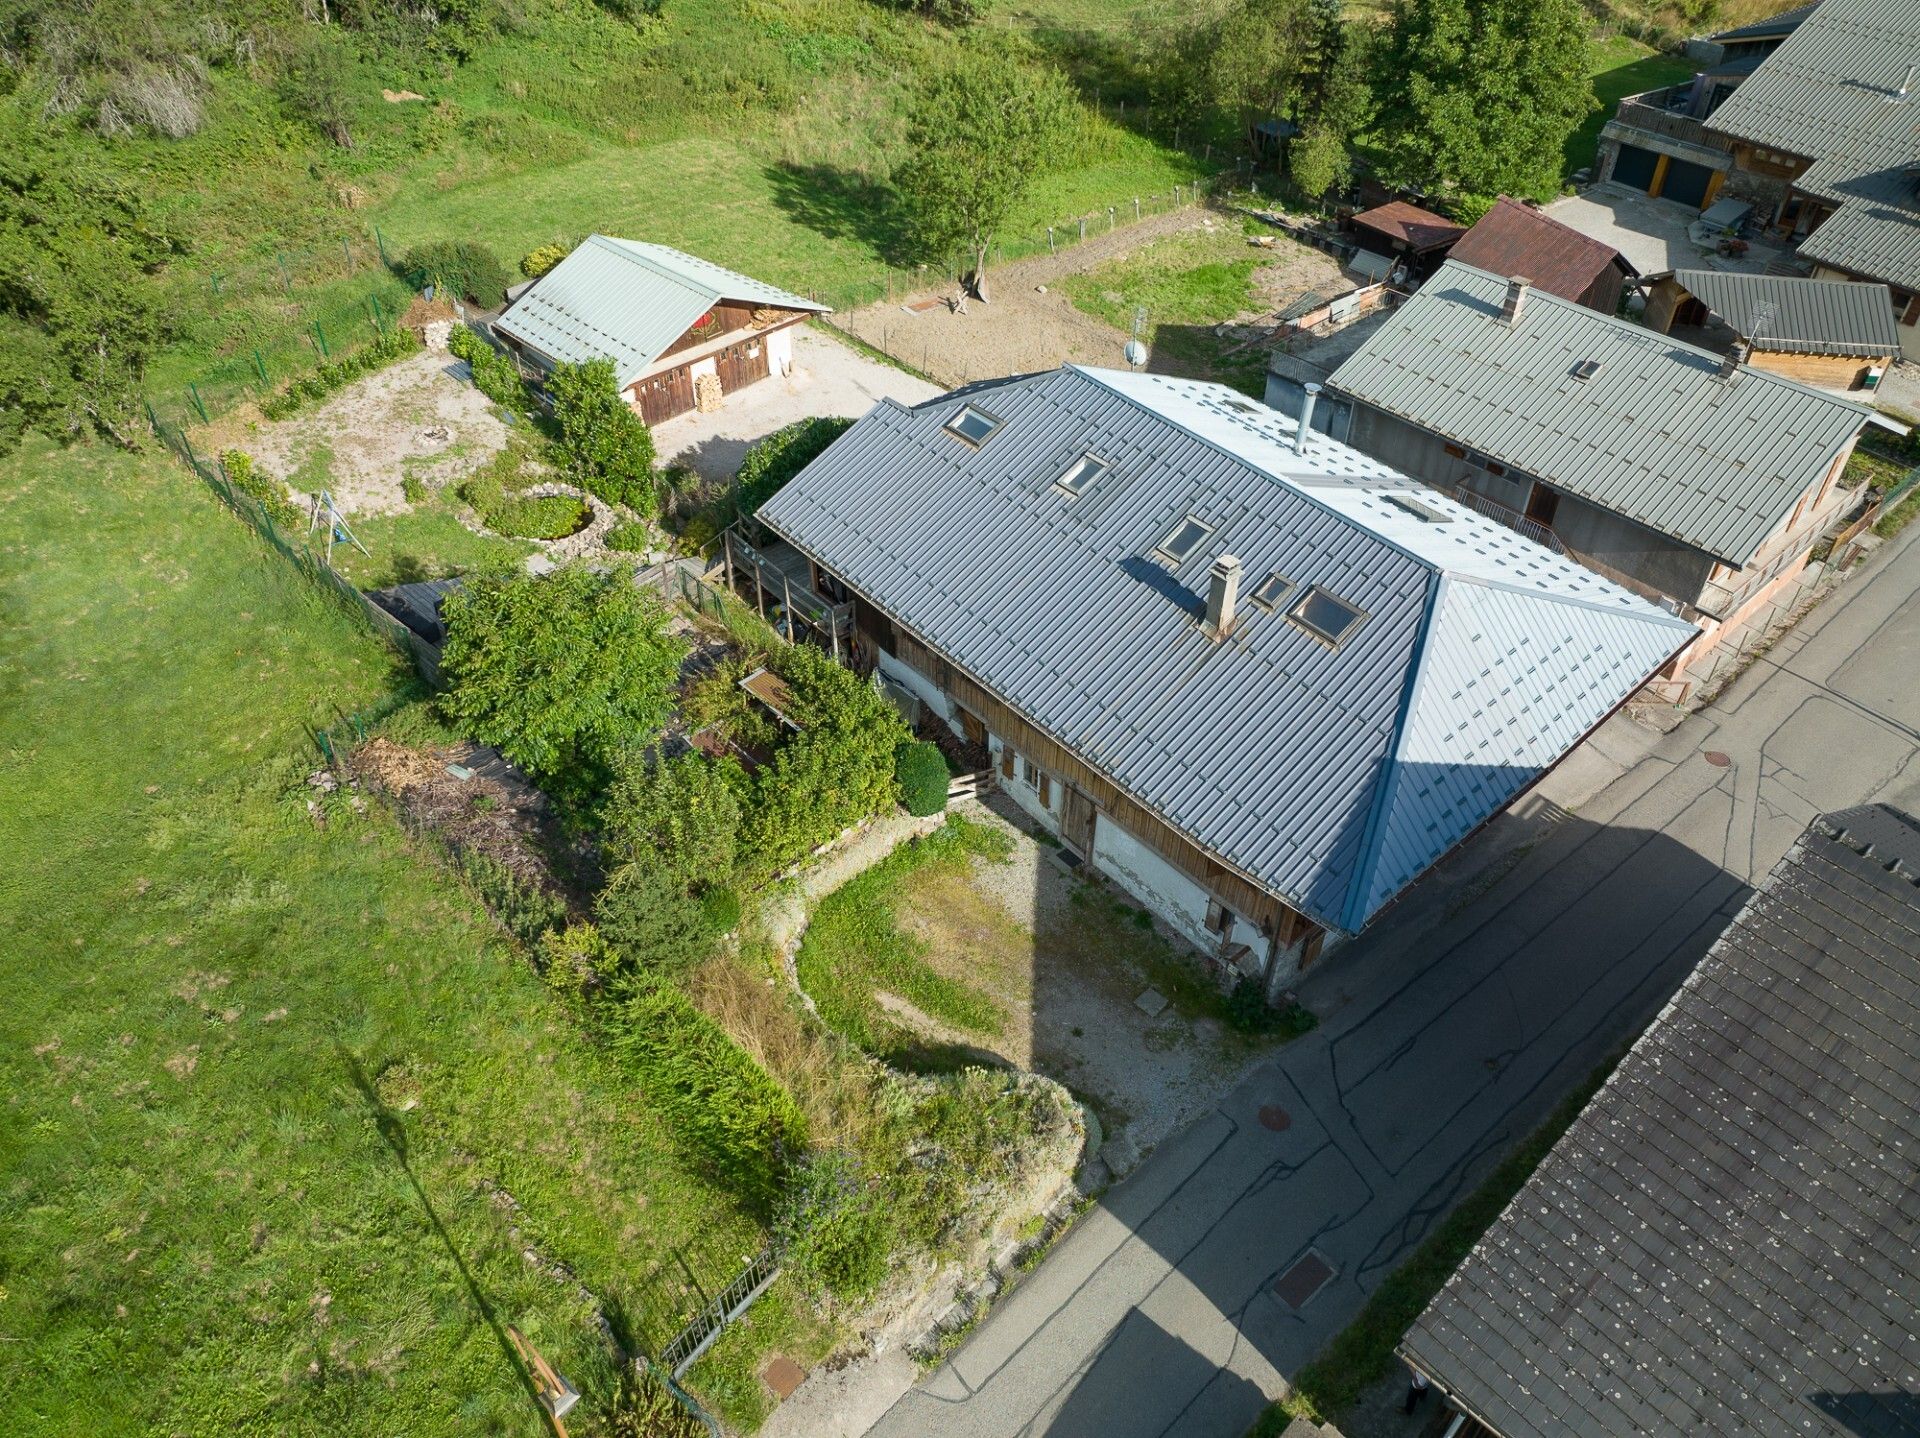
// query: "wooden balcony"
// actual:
[[779, 581]]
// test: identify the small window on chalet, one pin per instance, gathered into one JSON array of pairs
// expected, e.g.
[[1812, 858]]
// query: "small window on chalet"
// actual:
[[1326, 616], [1455, 450], [973, 425], [1188, 535], [1271, 591], [1081, 474]]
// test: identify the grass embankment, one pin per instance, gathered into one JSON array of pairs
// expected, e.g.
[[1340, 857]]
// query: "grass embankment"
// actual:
[[854, 947], [272, 1077], [1620, 66], [1363, 1352]]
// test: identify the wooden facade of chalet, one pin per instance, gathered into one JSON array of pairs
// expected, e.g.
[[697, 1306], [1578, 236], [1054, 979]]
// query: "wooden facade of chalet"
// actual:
[[737, 343]]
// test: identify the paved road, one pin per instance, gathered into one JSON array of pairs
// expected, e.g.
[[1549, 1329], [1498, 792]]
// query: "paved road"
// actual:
[[1447, 1034]]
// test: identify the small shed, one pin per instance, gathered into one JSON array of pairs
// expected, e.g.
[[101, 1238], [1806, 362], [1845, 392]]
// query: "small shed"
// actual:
[[1515, 238], [1829, 333], [1417, 238]]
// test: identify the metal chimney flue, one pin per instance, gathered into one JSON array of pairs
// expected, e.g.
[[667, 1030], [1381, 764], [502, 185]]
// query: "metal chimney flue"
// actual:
[[1306, 417], [1516, 300], [1223, 595]]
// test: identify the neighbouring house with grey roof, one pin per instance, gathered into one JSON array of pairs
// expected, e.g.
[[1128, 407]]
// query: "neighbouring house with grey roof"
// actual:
[[681, 332], [1725, 1244], [1256, 678], [1829, 333], [1680, 473]]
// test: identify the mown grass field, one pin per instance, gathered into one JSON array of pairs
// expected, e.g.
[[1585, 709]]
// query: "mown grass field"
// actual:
[[284, 1109]]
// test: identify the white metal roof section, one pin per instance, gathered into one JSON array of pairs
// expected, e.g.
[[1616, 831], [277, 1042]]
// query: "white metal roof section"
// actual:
[[628, 300], [1329, 774], [1656, 434]]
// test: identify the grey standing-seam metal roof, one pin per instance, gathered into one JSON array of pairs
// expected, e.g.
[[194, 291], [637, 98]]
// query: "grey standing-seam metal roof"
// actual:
[[628, 301], [1832, 93], [1726, 1241], [1816, 317], [1656, 435], [1331, 777]]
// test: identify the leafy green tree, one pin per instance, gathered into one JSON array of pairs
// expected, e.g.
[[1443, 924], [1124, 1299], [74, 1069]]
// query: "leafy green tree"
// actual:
[[1332, 101], [1252, 58], [315, 81], [981, 130], [771, 462], [1478, 97], [559, 671], [651, 924], [608, 447], [680, 814]]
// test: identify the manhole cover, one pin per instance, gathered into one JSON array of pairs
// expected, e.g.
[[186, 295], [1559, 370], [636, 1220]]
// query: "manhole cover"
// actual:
[[783, 1375], [1717, 759], [1276, 1118], [1303, 1280]]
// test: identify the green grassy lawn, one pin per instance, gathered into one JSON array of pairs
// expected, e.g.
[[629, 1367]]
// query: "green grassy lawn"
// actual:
[[1620, 66], [284, 1109], [425, 541], [1188, 283]]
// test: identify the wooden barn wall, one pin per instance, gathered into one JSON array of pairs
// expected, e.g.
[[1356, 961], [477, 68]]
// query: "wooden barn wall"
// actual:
[[1232, 889]]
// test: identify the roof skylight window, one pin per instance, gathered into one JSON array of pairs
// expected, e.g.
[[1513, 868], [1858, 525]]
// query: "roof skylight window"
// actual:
[[1326, 616], [1586, 369], [1425, 513], [1082, 473], [1271, 591], [972, 424], [1188, 535]]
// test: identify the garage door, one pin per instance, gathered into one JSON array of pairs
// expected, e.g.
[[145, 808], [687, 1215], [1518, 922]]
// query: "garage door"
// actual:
[[1634, 167], [1686, 182]]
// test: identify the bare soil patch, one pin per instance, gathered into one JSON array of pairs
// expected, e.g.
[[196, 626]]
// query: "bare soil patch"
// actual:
[[419, 418]]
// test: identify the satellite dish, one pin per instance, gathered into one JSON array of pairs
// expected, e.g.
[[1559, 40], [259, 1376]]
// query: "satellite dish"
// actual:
[[1136, 353]]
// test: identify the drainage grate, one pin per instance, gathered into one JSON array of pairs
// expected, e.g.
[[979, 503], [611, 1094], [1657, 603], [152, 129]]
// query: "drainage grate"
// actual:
[[783, 1375], [1274, 1117], [1307, 1277]]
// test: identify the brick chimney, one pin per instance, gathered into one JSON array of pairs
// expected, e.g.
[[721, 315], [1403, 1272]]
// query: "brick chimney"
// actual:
[[1516, 300], [1223, 596]]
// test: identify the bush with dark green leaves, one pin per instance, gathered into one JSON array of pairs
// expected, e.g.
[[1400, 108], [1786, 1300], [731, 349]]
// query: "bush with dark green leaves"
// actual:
[[680, 814], [458, 267], [776, 459], [651, 924], [629, 536], [921, 771], [831, 1226], [726, 1109], [388, 346], [560, 670], [493, 373], [608, 447]]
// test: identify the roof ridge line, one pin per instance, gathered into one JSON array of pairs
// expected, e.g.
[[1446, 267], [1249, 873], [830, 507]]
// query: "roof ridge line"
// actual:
[[1575, 600]]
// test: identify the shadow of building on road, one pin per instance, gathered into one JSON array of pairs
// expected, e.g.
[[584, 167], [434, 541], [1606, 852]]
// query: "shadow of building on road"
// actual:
[[1140, 1375]]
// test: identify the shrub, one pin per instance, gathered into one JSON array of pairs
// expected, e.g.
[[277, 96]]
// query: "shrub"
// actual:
[[780, 456], [726, 1108], [720, 907], [543, 516], [413, 489], [493, 373], [831, 1227], [527, 911], [681, 814], [391, 345], [630, 537], [920, 769], [537, 261], [558, 670], [650, 924], [457, 265], [263, 489], [644, 1407], [608, 447], [576, 962]]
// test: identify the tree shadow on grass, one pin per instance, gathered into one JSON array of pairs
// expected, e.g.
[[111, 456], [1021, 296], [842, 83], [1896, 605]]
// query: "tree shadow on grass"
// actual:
[[842, 205]]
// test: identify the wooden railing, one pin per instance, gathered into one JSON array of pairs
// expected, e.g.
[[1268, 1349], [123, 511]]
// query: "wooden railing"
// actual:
[[1648, 111], [832, 622]]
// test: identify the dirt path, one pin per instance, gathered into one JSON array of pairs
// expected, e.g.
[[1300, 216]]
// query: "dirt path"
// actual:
[[1022, 330]]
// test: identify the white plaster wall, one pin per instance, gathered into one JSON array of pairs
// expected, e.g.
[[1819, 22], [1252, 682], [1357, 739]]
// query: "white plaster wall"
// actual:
[[1163, 888], [780, 351], [1022, 793], [921, 687]]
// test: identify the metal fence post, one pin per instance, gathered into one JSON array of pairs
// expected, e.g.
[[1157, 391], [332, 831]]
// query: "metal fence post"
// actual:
[[260, 366], [193, 393], [381, 241]]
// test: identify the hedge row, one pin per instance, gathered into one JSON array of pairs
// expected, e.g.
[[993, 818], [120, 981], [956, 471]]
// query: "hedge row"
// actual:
[[309, 389]]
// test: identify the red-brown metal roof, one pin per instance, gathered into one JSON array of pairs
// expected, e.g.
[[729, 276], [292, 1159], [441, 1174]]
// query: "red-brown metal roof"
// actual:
[[1516, 239], [1419, 230]]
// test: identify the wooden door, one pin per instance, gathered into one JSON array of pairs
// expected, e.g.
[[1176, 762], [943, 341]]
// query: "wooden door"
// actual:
[[664, 395], [1076, 821], [742, 363]]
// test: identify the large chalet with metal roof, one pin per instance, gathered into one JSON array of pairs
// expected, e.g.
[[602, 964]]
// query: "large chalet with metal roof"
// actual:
[[672, 323], [1685, 475], [1726, 1243], [1255, 677]]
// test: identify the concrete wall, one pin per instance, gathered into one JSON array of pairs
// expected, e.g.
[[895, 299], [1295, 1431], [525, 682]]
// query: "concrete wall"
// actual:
[[780, 350], [1654, 559], [1169, 893]]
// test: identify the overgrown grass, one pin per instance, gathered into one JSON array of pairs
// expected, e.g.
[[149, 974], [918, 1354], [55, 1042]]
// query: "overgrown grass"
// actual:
[[853, 946], [284, 1110], [1362, 1353]]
